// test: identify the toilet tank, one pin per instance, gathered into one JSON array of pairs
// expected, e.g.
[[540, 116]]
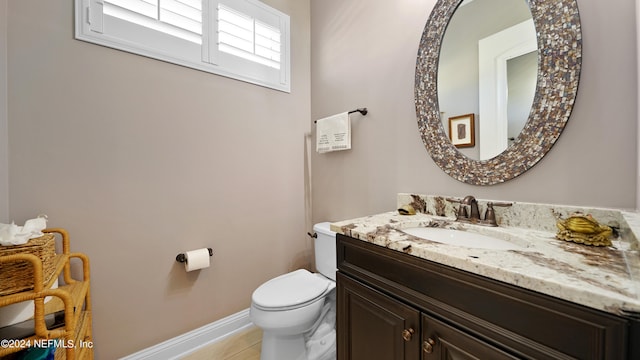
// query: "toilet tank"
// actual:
[[325, 250]]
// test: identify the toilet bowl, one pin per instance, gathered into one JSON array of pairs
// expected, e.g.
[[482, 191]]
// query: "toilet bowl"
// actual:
[[288, 308]]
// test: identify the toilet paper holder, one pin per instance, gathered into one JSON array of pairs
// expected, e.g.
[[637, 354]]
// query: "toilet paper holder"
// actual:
[[182, 257]]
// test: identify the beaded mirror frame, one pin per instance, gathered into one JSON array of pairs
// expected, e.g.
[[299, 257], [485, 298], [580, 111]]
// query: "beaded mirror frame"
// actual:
[[559, 36]]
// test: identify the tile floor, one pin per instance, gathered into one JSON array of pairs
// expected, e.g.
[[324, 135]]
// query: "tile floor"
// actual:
[[242, 346]]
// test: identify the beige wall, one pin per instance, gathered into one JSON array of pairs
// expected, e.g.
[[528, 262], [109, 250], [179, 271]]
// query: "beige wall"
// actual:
[[638, 100], [363, 55], [4, 124], [141, 160]]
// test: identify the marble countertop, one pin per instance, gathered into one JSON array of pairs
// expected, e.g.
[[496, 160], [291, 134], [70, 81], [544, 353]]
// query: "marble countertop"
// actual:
[[604, 278]]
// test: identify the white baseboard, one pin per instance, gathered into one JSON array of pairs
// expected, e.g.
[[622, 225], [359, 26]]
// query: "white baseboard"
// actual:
[[193, 340]]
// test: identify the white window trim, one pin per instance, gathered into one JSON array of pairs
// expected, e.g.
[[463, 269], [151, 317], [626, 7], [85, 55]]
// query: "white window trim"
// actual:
[[90, 25]]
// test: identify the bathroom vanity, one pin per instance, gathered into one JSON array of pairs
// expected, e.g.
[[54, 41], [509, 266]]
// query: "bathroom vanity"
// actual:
[[404, 297]]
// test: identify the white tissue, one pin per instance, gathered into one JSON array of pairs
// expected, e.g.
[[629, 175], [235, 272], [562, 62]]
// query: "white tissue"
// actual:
[[12, 234], [196, 259]]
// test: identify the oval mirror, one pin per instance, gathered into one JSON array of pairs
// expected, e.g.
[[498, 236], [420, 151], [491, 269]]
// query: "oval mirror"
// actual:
[[467, 126]]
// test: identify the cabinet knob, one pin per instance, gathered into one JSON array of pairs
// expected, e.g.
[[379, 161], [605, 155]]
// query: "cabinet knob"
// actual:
[[427, 346], [407, 334]]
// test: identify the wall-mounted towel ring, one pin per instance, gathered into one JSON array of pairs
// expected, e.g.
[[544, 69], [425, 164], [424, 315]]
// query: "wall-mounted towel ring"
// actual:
[[182, 257], [362, 111]]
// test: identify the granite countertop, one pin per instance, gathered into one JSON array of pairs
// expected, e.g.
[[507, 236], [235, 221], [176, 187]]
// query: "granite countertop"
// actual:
[[604, 278]]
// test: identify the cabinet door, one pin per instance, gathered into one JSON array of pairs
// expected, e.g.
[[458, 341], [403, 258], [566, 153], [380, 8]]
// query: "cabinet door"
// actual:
[[372, 325], [441, 341]]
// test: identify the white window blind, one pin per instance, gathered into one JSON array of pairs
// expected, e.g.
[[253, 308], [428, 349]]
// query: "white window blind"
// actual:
[[180, 18], [246, 37], [242, 39]]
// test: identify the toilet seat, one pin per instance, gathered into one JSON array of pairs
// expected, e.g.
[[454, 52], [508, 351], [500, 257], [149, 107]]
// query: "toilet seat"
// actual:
[[291, 290]]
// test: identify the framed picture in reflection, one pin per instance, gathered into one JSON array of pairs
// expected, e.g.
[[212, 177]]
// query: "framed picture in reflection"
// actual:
[[462, 131]]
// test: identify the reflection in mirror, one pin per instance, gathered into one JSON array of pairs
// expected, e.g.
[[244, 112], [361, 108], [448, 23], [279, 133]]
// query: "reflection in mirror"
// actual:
[[521, 84], [498, 90], [481, 40], [559, 39]]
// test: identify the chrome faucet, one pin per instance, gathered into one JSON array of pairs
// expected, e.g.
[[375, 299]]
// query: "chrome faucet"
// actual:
[[473, 216]]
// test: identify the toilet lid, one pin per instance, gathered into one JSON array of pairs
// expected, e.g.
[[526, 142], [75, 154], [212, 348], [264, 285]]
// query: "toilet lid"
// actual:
[[290, 289]]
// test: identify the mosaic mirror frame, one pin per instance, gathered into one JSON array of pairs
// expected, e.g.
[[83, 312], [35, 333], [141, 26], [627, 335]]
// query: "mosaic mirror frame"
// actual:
[[559, 62]]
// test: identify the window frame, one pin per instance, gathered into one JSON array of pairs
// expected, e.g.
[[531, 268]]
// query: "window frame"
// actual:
[[91, 23]]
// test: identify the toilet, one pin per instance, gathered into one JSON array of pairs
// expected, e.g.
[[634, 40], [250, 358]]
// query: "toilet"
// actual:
[[296, 311]]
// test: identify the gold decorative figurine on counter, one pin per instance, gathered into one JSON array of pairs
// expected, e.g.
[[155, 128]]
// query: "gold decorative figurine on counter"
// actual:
[[407, 210], [584, 229]]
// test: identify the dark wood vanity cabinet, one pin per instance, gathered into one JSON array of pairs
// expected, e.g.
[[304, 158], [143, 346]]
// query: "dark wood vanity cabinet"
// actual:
[[379, 327], [443, 341], [394, 306]]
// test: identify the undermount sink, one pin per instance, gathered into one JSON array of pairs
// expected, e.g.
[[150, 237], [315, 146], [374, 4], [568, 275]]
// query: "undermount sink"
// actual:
[[461, 238]]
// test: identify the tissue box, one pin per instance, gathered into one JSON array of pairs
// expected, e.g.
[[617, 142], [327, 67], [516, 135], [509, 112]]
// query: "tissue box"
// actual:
[[17, 276]]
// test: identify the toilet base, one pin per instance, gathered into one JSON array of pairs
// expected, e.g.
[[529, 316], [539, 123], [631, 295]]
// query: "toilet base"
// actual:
[[279, 347]]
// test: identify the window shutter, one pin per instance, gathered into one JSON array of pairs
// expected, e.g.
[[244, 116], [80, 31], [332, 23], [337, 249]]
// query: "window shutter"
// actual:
[[184, 14], [147, 8], [244, 36], [95, 17], [179, 18], [245, 40]]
